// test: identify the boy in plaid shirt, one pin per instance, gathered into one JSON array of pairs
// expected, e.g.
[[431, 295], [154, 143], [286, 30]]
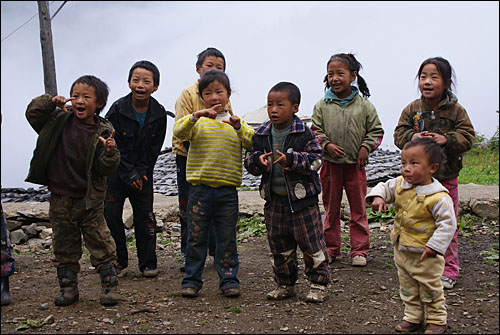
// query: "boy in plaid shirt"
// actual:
[[287, 154]]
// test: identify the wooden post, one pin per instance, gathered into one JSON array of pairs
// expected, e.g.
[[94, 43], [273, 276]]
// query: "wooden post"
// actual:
[[49, 65]]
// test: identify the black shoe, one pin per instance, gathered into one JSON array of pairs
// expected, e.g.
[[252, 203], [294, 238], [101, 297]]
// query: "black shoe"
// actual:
[[183, 266], [5, 291]]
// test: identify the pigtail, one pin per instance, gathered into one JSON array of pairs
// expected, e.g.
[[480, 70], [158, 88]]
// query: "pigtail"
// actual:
[[356, 66], [363, 88], [327, 84]]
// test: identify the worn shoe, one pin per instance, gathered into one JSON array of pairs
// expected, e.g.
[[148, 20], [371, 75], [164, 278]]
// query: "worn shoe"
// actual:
[[232, 292], [448, 283], [189, 292], [358, 260], [317, 293], [121, 271], [68, 287], [406, 326], [5, 291], [183, 266], [149, 272], [281, 292], [109, 285], [331, 259], [435, 329]]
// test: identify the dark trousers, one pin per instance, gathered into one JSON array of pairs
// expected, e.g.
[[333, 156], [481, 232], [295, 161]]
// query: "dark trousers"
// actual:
[[183, 188], [218, 207], [144, 221]]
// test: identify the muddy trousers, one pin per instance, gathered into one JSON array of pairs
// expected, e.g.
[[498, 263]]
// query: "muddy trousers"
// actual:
[[216, 206], [144, 222], [334, 177], [183, 188], [70, 220], [286, 231], [420, 287]]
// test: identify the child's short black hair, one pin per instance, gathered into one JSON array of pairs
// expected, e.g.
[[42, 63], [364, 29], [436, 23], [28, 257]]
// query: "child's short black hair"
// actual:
[[100, 87], [209, 52], [211, 76], [290, 88], [434, 153], [148, 66]]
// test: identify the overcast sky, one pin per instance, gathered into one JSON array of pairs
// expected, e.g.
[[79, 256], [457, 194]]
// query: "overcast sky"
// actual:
[[263, 42]]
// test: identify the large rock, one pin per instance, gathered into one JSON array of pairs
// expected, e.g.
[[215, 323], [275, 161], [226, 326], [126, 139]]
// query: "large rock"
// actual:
[[485, 208]]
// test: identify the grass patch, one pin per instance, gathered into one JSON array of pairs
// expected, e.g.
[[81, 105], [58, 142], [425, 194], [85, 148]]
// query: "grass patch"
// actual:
[[466, 225], [480, 164], [236, 310], [250, 227], [388, 266], [388, 255]]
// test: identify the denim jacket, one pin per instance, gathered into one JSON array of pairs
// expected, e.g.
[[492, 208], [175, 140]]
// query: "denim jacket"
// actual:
[[303, 156]]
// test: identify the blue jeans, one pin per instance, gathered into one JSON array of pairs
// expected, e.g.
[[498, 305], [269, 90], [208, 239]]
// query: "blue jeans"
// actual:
[[218, 207], [183, 194]]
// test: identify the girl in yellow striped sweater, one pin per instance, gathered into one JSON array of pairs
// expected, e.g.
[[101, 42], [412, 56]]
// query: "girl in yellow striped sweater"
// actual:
[[214, 168]]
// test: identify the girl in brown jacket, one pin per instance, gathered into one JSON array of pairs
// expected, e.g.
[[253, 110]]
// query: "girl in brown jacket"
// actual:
[[438, 115]]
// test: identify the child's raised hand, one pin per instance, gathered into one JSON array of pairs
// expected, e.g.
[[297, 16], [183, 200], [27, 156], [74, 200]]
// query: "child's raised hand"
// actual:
[[281, 160], [109, 143], [427, 252], [335, 151], [378, 204], [263, 159], [362, 157], [234, 121], [209, 112], [61, 101]]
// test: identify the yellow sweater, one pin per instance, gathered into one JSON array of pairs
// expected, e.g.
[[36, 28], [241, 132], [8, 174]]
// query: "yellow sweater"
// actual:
[[425, 214], [188, 102], [215, 151]]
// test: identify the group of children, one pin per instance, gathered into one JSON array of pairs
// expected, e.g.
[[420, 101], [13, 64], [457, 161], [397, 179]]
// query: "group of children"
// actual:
[[92, 164]]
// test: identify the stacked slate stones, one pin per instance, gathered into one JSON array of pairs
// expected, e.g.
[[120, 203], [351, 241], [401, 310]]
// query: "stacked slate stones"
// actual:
[[383, 165]]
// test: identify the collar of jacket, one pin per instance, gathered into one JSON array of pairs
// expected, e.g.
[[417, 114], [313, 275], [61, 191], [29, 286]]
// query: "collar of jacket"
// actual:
[[449, 100], [330, 96], [297, 127], [154, 109]]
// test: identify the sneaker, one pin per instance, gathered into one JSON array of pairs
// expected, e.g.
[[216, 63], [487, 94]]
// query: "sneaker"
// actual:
[[317, 293], [448, 283], [435, 329], [359, 260], [281, 292], [231, 292], [189, 292], [149, 272], [407, 327], [331, 259]]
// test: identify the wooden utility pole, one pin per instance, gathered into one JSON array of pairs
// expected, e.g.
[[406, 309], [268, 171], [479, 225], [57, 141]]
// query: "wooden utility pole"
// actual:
[[49, 65]]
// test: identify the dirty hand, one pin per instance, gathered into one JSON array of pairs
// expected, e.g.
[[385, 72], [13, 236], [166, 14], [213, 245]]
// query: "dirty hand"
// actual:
[[335, 151], [378, 204], [234, 121], [209, 112], [263, 159], [362, 157], [109, 143], [427, 252], [281, 160], [61, 101]]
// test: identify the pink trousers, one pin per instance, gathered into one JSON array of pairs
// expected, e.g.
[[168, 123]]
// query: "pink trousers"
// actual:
[[451, 267], [334, 177]]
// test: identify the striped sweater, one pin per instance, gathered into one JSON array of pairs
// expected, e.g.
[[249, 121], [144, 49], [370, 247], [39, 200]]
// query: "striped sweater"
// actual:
[[215, 152]]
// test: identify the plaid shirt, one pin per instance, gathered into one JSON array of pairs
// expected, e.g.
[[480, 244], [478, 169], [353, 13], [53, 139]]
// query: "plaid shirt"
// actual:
[[303, 151]]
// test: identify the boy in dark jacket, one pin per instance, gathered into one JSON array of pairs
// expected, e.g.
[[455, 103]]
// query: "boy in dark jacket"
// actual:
[[75, 151], [140, 123], [288, 154]]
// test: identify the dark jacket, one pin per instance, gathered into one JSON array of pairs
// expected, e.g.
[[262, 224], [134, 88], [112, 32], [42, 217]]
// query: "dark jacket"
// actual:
[[139, 148], [450, 120], [303, 152], [48, 121]]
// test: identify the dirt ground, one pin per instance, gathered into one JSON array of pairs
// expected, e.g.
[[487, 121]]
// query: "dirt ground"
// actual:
[[361, 300]]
